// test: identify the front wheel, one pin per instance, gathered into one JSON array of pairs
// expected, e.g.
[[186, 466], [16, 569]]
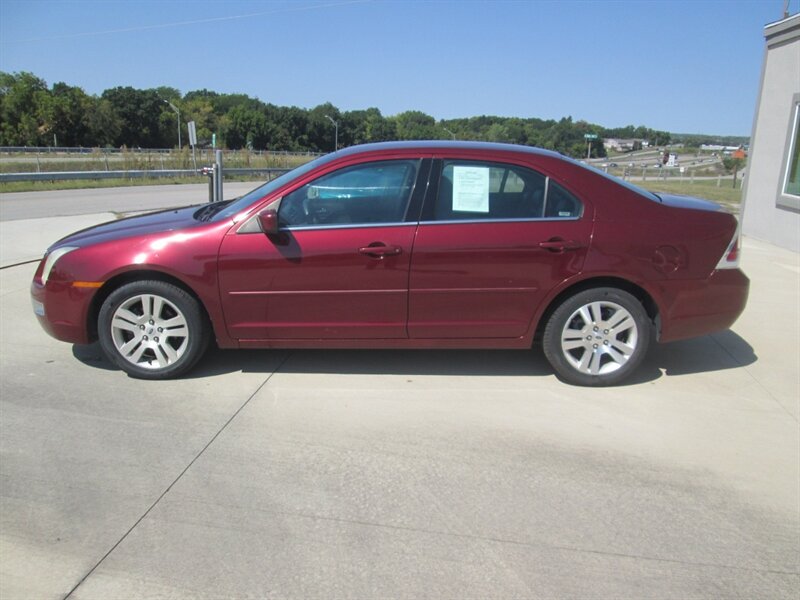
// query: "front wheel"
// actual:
[[152, 329], [597, 337]]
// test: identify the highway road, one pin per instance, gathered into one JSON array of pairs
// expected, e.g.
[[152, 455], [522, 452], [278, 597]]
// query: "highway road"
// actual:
[[66, 203]]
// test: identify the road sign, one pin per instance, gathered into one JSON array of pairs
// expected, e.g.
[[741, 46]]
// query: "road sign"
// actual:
[[192, 133], [590, 136], [213, 140]]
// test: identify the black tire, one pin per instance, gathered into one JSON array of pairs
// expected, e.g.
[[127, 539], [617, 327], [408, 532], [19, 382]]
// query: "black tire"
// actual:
[[152, 329], [597, 337]]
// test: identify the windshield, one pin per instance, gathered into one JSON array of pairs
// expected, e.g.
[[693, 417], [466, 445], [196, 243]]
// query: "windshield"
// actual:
[[264, 190]]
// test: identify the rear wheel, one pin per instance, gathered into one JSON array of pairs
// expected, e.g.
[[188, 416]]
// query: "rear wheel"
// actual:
[[152, 329], [597, 337]]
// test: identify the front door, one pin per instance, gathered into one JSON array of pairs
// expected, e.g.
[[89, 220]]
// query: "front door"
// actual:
[[339, 267]]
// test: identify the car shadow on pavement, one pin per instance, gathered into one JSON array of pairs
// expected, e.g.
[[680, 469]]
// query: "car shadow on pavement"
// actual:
[[716, 352]]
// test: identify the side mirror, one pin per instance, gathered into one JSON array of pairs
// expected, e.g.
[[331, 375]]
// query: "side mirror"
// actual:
[[268, 219]]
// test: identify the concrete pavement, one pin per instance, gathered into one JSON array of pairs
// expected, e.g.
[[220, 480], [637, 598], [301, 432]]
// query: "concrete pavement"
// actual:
[[362, 474]]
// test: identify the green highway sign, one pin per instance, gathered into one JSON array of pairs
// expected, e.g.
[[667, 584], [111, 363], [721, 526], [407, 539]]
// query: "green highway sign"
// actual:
[[590, 136]]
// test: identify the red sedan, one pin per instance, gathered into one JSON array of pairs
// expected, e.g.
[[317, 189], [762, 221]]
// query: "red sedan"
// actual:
[[405, 245]]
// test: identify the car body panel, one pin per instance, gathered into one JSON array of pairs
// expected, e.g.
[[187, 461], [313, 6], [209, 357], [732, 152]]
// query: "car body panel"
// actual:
[[316, 283], [118, 251], [458, 271]]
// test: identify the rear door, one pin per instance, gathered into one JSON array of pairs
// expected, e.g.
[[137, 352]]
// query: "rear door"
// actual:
[[494, 238]]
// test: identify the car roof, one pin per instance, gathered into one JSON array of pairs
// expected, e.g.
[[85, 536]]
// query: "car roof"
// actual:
[[444, 145]]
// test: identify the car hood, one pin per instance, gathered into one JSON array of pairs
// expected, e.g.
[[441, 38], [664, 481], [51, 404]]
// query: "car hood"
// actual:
[[151, 223], [688, 202]]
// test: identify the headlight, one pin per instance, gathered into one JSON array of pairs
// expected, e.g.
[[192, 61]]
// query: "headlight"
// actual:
[[52, 258]]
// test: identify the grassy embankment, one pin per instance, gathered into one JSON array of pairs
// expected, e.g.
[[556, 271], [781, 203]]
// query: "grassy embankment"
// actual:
[[133, 160], [725, 195]]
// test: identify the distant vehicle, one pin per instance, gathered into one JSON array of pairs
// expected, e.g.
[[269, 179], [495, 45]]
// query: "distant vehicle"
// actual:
[[404, 245]]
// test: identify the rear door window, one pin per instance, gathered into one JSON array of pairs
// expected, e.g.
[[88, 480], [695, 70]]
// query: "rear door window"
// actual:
[[470, 191]]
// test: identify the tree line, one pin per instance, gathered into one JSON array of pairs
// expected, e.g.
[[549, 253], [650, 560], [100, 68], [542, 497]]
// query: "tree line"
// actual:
[[33, 114]]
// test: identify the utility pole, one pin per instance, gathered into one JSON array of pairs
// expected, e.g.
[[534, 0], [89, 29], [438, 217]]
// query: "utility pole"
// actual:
[[177, 112], [336, 125]]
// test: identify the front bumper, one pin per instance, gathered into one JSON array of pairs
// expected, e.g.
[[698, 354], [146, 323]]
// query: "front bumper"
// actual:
[[62, 310]]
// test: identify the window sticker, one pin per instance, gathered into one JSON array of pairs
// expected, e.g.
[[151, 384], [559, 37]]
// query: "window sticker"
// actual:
[[471, 189]]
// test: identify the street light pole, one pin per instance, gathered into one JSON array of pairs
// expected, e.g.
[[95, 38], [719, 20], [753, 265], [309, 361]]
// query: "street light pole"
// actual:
[[336, 126], [177, 112], [450, 132]]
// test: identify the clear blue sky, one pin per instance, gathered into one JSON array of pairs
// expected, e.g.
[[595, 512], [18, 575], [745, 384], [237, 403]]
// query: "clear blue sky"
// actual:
[[680, 66]]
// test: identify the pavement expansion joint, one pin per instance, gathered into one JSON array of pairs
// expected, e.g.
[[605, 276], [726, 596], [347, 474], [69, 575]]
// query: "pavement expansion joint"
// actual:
[[178, 478]]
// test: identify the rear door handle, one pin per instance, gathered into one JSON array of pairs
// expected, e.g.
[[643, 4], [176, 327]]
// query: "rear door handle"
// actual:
[[380, 250], [558, 245]]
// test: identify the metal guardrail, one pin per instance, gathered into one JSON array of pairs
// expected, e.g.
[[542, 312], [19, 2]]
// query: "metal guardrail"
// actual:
[[133, 174], [85, 150]]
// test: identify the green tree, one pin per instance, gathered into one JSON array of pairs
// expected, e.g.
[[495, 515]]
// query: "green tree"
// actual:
[[378, 128], [201, 111], [321, 132], [416, 125], [20, 97], [732, 165], [140, 113], [103, 122], [64, 116], [246, 127]]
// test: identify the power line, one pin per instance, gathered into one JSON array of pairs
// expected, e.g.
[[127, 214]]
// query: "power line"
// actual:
[[185, 23]]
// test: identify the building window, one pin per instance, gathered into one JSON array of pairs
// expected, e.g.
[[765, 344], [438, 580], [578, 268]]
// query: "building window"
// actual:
[[791, 179]]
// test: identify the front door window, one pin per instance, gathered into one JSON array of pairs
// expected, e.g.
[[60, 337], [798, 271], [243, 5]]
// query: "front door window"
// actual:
[[375, 193]]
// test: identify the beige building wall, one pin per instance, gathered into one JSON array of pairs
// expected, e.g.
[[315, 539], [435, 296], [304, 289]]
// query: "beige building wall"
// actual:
[[770, 214]]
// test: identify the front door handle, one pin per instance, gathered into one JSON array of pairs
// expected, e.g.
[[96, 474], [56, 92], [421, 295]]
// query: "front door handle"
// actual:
[[380, 250], [558, 245]]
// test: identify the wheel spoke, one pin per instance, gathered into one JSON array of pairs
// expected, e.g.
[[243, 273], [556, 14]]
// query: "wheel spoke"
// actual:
[[624, 349], [158, 306], [583, 366], [127, 348], [586, 316], [596, 310], [180, 331], [574, 344], [621, 320], [137, 353], [619, 357], [127, 315], [594, 361], [161, 357], [123, 324], [174, 322], [169, 352]]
